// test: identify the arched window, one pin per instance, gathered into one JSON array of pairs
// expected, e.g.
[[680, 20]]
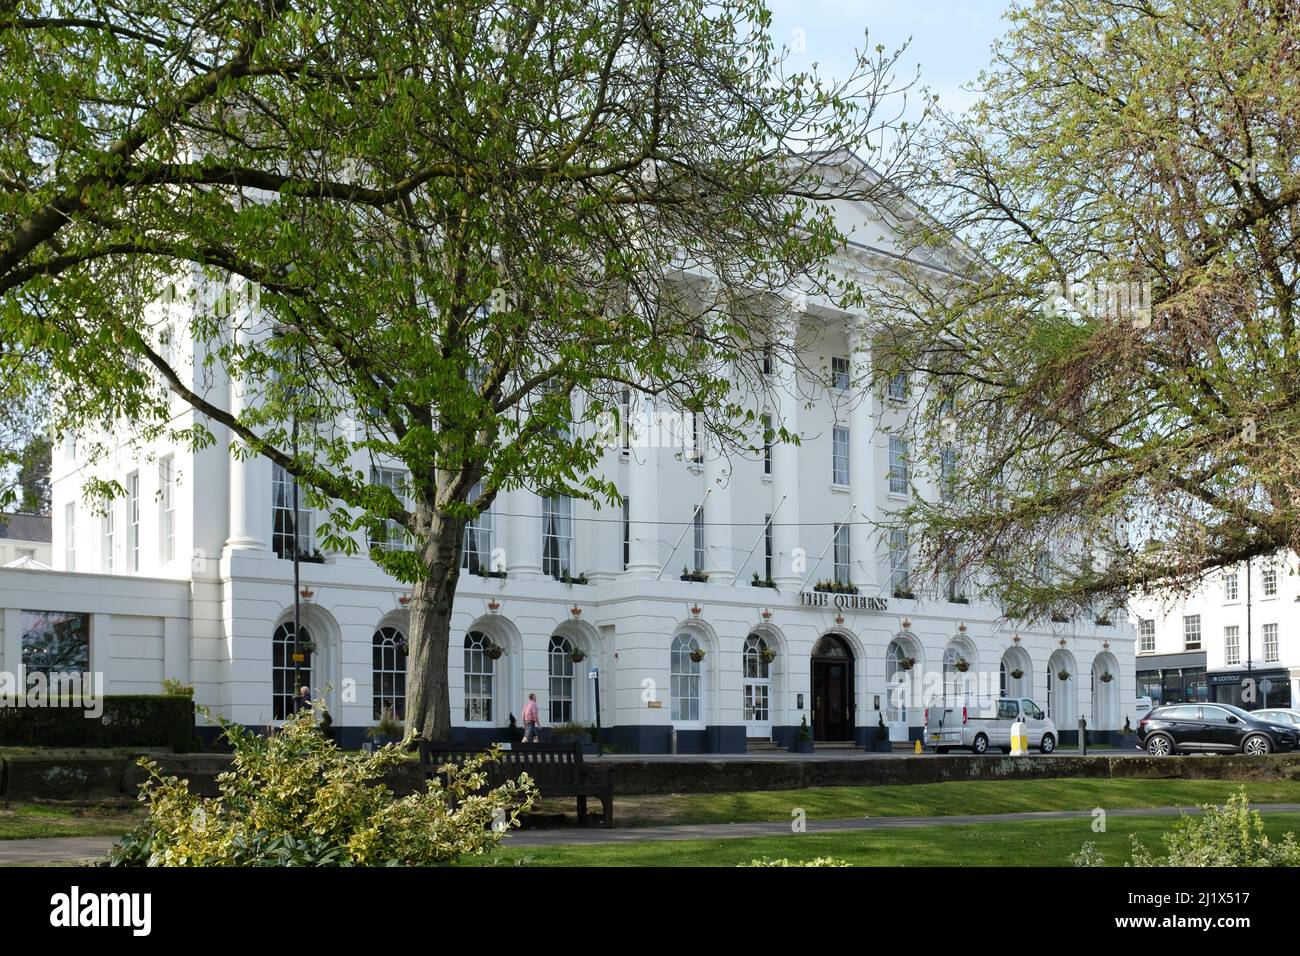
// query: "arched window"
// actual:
[[755, 664], [560, 671], [287, 674], [1002, 678], [898, 663], [952, 679], [480, 676], [389, 673], [757, 684], [686, 678], [1051, 691]]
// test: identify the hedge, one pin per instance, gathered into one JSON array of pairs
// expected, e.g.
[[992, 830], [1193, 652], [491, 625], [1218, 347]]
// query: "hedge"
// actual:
[[128, 720]]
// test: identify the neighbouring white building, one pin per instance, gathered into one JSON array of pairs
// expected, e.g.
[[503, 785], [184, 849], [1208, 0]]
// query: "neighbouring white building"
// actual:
[[1232, 641], [25, 541], [188, 576]]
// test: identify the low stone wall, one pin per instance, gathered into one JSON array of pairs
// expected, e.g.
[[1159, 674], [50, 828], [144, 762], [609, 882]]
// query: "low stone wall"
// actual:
[[97, 778]]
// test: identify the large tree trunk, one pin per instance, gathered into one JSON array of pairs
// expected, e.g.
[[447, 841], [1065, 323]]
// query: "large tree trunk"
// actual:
[[428, 700]]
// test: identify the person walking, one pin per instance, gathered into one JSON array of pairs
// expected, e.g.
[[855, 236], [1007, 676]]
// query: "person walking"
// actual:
[[530, 720]]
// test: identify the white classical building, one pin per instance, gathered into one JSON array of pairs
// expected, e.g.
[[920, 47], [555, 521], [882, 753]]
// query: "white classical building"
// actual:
[[1231, 641], [189, 576]]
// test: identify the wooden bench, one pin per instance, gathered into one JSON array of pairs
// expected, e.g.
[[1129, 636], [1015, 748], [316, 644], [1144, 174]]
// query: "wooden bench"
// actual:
[[556, 769]]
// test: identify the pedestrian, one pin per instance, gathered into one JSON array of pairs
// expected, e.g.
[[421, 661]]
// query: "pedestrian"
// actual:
[[530, 720], [304, 698]]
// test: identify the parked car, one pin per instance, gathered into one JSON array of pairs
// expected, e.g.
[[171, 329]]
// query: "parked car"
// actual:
[[1278, 715], [977, 725], [1142, 707], [1212, 728]]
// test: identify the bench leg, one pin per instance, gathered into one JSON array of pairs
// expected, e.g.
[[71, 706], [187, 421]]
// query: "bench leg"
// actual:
[[582, 811], [607, 804]]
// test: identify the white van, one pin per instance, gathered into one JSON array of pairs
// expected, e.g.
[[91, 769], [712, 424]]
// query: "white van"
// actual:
[[978, 724]]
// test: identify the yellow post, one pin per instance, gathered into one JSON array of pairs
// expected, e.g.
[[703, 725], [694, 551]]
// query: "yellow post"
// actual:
[[918, 747], [1019, 739]]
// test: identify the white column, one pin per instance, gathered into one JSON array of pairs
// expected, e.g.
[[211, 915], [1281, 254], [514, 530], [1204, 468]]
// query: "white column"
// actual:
[[719, 559], [250, 479], [643, 498], [786, 535], [523, 543], [861, 459]]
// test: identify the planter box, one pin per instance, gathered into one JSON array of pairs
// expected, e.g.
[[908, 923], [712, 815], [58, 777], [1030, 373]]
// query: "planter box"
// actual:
[[1126, 742], [801, 747], [589, 748], [878, 746]]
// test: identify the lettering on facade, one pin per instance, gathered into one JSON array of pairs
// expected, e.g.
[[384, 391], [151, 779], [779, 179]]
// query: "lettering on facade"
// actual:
[[843, 602]]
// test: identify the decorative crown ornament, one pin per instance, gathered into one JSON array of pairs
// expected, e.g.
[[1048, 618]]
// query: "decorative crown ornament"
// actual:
[[765, 614], [695, 610], [493, 605]]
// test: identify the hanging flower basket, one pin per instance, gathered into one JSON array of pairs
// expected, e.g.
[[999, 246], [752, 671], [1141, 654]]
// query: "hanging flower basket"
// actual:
[[306, 646], [767, 655], [1063, 675], [1017, 673], [298, 657], [578, 657], [962, 665], [697, 655], [1107, 677], [907, 663], [494, 652]]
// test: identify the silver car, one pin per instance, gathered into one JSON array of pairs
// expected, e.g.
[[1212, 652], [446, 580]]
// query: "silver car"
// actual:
[[1279, 715]]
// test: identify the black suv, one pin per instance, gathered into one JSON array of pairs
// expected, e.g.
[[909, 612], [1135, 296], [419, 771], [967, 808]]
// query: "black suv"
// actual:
[[1212, 728]]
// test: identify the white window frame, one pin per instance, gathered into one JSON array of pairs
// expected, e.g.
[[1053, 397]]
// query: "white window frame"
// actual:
[[282, 501], [686, 681], [167, 509], [1146, 636], [1268, 580], [1230, 588], [840, 456], [1231, 644], [899, 470], [840, 378], [70, 536], [480, 680], [1269, 632], [133, 521], [108, 524], [766, 421], [1192, 632], [699, 554], [841, 556], [899, 385], [900, 564], [395, 479], [560, 683], [557, 527], [388, 677]]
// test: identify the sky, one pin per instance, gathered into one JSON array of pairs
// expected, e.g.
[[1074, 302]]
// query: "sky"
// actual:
[[950, 38]]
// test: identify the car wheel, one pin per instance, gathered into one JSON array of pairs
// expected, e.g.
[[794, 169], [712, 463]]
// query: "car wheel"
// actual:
[[1158, 745], [980, 745], [1257, 745], [1047, 744]]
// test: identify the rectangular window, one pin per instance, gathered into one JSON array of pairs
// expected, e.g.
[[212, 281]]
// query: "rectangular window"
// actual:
[[110, 533], [167, 509], [839, 372], [699, 538], [840, 456], [480, 538], [1146, 637], [133, 521], [843, 573], [390, 534], [55, 642], [1270, 642], [557, 537], [625, 419], [1230, 587], [1232, 645], [1192, 632], [767, 547], [1269, 576], [767, 444], [696, 450], [627, 531], [898, 386], [70, 537], [899, 479], [767, 360], [900, 569], [282, 517]]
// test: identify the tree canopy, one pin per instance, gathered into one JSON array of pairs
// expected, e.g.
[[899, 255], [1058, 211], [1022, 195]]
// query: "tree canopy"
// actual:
[[1113, 375]]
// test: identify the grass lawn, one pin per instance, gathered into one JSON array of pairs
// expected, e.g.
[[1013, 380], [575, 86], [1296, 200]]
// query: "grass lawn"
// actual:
[[26, 821], [1048, 843], [937, 799]]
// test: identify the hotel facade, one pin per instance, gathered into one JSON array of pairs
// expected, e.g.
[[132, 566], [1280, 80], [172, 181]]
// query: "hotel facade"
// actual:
[[700, 607]]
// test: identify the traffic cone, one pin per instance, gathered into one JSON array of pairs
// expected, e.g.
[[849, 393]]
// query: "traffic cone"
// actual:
[[918, 748]]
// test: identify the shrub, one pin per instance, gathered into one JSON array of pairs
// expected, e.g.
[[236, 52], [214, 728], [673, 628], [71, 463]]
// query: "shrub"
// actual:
[[294, 799], [1231, 835], [128, 720], [819, 861], [174, 688]]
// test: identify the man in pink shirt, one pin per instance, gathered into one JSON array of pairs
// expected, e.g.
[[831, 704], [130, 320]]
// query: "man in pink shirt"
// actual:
[[530, 720]]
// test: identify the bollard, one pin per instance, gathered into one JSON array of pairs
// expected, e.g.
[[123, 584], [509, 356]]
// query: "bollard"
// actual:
[[672, 741], [1019, 739], [1083, 736]]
